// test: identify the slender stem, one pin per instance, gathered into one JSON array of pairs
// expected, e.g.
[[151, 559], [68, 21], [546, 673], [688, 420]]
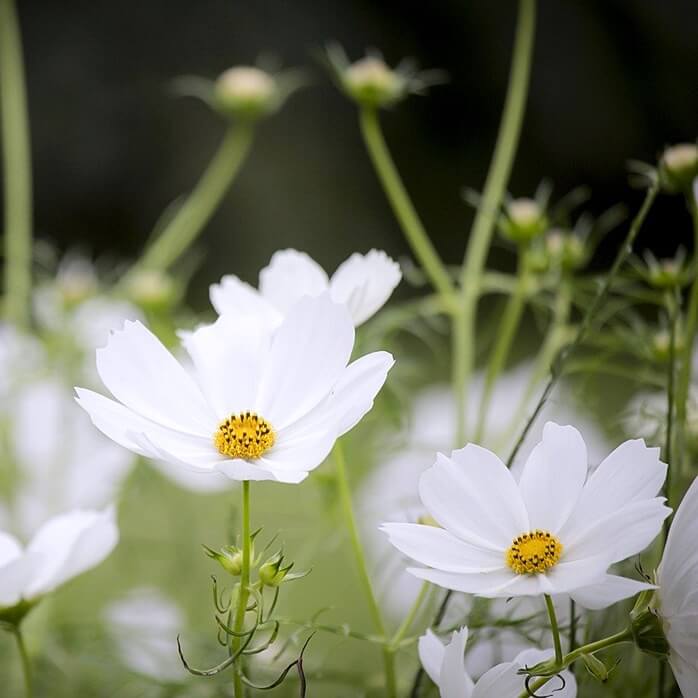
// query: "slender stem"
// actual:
[[411, 615], [362, 569], [497, 177], [459, 372], [17, 168], [683, 379], [573, 627], [554, 628], [673, 313], [400, 202], [568, 350], [505, 337], [24, 658], [191, 217], [244, 588], [623, 636]]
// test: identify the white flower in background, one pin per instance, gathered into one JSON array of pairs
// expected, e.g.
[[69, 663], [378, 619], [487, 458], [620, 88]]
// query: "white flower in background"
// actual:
[[391, 490], [363, 283], [69, 465], [677, 595], [22, 357], [263, 405], [445, 666], [554, 531], [63, 548], [144, 626]]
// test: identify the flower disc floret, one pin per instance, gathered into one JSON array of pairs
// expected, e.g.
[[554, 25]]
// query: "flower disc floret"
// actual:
[[534, 552], [245, 435]]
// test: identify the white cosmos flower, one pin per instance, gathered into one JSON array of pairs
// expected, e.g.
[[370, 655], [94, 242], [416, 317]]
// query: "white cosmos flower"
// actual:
[[263, 404], [445, 666], [144, 626], [554, 531], [64, 547], [677, 595], [363, 283]]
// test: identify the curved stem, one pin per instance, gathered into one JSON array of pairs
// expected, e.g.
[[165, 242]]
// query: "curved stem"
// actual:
[[403, 209], [191, 217], [497, 178], [362, 569], [17, 168], [568, 350], [505, 338], [244, 591], [24, 658], [554, 628]]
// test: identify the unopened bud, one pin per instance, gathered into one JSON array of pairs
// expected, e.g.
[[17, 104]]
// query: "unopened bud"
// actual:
[[371, 82], [678, 167], [596, 667], [646, 626], [565, 249], [229, 558], [523, 220], [246, 92], [271, 573], [151, 289]]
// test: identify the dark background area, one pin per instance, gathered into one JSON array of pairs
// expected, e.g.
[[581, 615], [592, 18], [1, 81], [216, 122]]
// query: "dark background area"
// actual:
[[612, 81]]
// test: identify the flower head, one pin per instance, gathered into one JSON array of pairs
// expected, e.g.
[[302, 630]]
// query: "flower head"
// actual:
[[246, 91], [445, 666], [677, 596], [363, 283], [263, 403], [63, 548], [555, 530], [678, 167]]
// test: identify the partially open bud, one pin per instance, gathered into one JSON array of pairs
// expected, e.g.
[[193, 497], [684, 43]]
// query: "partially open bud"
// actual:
[[272, 573], [565, 249], [370, 81], [151, 289], [229, 558], [523, 220], [678, 167], [246, 92]]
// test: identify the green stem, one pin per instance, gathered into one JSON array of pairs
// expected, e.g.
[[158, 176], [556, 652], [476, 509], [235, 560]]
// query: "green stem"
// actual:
[[399, 200], [568, 350], [683, 379], [17, 169], [26, 664], [459, 373], [623, 636], [497, 178], [197, 209], [362, 569], [411, 615], [554, 628], [244, 588], [672, 303], [505, 338]]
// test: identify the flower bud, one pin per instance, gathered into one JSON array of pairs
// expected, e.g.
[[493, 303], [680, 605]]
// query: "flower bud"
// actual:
[[229, 558], [246, 92], [76, 281], [271, 573], [523, 220], [646, 627], [565, 249], [151, 289], [678, 167], [371, 82], [596, 667]]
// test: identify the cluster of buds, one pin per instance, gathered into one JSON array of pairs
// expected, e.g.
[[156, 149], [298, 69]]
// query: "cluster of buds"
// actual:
[[678, 167]]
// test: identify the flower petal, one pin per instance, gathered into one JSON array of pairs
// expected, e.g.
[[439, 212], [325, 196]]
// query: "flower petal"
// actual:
[[364, 283], [488, 584], [308, 354], [438, 548], [144, 376], [685, 674], [473, 495], [70, 545], [290, 276], [610, 590], [454, 682], [431, 655], [238, 299], [553, 477]]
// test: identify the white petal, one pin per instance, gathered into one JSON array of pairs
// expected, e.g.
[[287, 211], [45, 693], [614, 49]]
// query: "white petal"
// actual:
[[239, 470], [501, 681], [235, 297], [454, 682], [685, 674], [290, 276], [619, 535], [488, 584], [632, 472], [435, 547], [141, 373], [15, 576], [553, 477], [607, 592], [308, 354], [10, 549], [473, 495], [431, 655], [200, 481], [229, 357], [70, 545], [364, 283]]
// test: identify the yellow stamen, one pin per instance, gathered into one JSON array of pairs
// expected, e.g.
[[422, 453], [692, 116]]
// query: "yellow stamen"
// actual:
[[534, 552], [244, 435]]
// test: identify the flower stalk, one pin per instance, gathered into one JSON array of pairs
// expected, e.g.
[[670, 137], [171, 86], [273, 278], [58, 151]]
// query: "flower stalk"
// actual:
[[15, 630], [17, 169], [554, 628]]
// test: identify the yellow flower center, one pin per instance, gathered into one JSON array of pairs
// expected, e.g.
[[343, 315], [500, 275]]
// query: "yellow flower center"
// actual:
[[244, 435], [534, 552]]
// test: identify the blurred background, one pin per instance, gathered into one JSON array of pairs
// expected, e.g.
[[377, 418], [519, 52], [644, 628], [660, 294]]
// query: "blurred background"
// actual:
[[612, 80]]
